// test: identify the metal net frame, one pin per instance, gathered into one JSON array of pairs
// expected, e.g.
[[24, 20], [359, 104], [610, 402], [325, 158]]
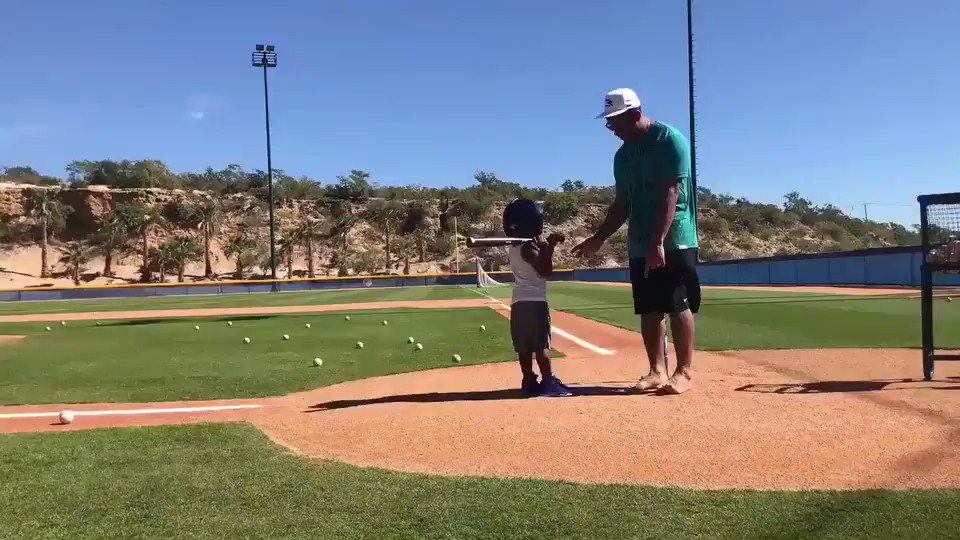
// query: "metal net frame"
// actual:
[[940, 241]]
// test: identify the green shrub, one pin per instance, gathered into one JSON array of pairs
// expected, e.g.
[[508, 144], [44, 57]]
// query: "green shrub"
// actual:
[[848, 242], [442, 245], [765, 232], [618, 245], [713, 225], [831, 230], [805, 245], [366, 263], [790, 219], [745, 242], [560, 207]]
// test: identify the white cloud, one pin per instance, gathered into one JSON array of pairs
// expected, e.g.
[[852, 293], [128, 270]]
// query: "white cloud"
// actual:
[[199, 105]]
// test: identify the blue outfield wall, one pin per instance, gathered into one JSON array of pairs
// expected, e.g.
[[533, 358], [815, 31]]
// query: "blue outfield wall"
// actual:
[[898, 267], [254, 287], [871, 267]]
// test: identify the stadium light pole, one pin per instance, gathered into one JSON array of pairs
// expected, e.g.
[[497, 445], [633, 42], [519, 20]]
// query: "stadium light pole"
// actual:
[[693, 145], [266, 57], [693, 112]]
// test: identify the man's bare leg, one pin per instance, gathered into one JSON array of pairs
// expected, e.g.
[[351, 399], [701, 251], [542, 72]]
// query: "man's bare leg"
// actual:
[[682, 325], [654, 331]]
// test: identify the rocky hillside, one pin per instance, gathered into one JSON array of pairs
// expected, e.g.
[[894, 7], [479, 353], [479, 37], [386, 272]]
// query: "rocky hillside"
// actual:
[[98, 234]]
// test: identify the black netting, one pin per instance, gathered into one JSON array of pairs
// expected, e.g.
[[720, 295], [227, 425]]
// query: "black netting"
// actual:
[[943, 235]]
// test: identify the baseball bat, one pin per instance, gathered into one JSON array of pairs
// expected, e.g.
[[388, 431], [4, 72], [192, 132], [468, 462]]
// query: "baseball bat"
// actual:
[[495, 241]]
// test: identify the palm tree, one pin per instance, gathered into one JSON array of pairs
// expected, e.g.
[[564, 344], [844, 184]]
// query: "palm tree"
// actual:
[[208, 215], [74, 256], [242, 248], [419, 223], [285, 250], [109, 237], [343, 222], [181, 251], [449, 206], [405, 247], [51, 215], [162, 256], [385, 216], [140, 218], [308, 231]]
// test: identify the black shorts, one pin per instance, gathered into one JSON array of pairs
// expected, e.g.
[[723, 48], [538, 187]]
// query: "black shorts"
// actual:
[[530, 327], [670, 289]]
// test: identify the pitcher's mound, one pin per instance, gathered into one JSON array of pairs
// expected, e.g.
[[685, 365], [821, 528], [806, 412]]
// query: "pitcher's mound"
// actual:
[[844, 419]]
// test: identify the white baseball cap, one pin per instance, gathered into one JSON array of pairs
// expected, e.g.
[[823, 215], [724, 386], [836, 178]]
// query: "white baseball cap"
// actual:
[[619, 101]]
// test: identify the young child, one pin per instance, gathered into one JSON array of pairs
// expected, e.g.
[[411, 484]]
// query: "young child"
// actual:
[[531, 263]]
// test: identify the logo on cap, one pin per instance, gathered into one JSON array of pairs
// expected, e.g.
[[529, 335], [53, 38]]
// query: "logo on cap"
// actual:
[[619, 101]]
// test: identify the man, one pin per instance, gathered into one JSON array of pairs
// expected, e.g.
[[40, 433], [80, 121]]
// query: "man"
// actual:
[[655, 195]]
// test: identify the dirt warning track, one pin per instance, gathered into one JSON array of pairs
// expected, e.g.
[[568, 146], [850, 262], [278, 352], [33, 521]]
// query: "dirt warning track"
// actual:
[[840, 419], [254, 310], [10, 339]]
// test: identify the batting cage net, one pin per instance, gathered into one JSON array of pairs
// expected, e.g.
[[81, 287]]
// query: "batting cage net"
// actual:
[[941, 232], [940, 237], [484, 279]]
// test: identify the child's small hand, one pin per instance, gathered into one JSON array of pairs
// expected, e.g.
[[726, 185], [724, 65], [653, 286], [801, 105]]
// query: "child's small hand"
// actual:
[[540, 242]]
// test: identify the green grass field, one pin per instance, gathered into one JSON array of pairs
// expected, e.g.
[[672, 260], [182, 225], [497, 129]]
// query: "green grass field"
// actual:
[[230, 481], [737, 319], [166, 359], [349, 296], [730, 319]]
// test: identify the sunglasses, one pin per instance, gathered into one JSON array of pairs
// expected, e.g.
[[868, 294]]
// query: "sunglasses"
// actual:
[[621, 120]]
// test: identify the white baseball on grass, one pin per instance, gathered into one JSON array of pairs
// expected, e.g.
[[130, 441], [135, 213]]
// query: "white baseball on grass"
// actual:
[[47, 329], [317, 362], [359, 344], [63, 323], [66, 417], [306, 325], [419, 346], [229, 323], [286, 337], [197, 328], [483, 327], [347, 318], [385, 323], [456, 358], [949, 299], [410, 339], [246, 340]]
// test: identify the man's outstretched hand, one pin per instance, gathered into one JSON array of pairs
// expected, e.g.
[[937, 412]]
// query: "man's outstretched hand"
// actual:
[[588, 248], [656, 258]]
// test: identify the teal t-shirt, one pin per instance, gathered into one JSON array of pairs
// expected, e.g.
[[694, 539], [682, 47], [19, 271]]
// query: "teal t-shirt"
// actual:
[[640, 168]]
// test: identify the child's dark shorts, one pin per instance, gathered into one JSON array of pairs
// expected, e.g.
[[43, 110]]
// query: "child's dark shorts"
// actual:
[[530, 327]]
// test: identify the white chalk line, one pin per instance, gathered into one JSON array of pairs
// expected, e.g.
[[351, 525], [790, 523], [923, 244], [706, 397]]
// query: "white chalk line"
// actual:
[[560, 331], [122, 412]]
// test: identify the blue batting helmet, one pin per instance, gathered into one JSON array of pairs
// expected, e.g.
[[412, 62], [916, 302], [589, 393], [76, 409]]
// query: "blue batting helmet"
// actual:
[[522, 218]]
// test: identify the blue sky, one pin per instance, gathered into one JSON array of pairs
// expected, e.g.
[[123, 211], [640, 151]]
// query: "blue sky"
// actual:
[[847, 102]]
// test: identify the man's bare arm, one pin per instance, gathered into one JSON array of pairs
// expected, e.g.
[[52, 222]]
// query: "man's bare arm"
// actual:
[[666, 210], [616, 215]]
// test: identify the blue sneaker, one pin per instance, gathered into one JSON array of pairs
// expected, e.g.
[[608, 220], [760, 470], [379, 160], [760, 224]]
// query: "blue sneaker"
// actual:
[[530, 386], [554, 388]]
